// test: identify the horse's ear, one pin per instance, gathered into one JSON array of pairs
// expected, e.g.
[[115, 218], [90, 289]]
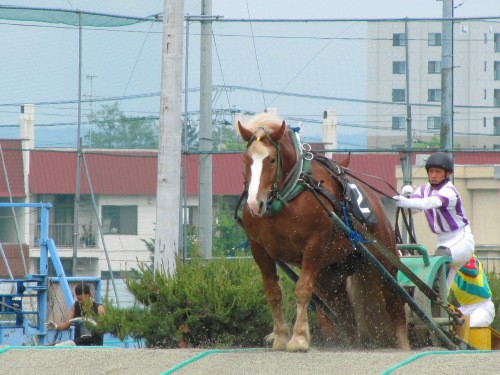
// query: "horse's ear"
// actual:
[[345, 163], [244, 132], [277, 134]]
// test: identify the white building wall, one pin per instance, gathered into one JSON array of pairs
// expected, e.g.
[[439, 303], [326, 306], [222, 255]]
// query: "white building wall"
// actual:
[[126, 250], [474, 82]]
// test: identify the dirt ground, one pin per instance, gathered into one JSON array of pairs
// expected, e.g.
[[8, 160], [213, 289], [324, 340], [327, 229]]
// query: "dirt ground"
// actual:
[[97, 361]]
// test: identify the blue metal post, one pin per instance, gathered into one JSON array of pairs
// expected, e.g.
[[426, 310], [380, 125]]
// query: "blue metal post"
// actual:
[[56, 261]]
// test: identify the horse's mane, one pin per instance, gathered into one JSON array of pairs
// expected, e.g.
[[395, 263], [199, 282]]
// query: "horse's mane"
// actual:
[[266, 120]]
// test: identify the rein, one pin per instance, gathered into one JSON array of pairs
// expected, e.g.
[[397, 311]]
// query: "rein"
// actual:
[[353, 173]]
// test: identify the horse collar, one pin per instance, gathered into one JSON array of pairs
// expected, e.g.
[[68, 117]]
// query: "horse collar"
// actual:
[[291, 186]]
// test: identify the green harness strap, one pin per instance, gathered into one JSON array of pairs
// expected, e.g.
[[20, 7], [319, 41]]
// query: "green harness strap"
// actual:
[[294, 187]]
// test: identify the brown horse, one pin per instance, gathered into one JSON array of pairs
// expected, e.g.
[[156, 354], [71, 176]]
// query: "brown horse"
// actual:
[[285, 219]]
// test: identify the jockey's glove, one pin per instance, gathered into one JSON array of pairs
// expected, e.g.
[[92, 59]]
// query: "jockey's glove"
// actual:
[[402, 201], [407, 191]]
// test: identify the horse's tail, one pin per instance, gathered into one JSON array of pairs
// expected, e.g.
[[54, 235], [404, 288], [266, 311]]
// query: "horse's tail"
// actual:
[[269, 338]]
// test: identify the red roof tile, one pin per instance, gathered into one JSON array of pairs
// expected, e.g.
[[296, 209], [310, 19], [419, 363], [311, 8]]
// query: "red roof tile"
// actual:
[[116, 173], [135, 172], [124, 173], [14, 170]]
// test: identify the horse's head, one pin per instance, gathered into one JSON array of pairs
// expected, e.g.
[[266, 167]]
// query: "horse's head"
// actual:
[[262, 158]]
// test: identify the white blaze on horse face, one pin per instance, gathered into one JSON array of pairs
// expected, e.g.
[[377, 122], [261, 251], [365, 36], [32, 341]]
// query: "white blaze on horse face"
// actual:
[[258, 155]]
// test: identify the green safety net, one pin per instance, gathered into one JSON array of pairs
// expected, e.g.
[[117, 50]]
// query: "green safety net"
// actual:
[[70, 17]]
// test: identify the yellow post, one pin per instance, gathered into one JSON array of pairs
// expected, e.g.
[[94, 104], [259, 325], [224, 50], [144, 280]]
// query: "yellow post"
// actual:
[[480, 337]]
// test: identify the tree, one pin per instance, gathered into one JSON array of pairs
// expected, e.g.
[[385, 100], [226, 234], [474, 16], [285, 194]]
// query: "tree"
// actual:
[[433, 143], [229, 237], [113, 129], [226, 139]]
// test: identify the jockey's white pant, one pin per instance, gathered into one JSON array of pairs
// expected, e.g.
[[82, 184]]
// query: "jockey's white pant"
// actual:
[[461, 244], [481, 313]]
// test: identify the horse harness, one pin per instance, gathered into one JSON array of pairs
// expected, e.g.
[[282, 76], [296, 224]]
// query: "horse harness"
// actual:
[[300, 178]]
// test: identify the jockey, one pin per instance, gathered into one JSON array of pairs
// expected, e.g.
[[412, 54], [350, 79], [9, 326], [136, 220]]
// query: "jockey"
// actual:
[[444, 212]]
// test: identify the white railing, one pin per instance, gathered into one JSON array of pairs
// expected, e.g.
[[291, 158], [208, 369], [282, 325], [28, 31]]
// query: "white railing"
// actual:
[[62, 234]]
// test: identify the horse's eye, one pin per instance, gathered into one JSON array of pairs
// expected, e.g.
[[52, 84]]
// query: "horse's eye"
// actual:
[[272, 161]]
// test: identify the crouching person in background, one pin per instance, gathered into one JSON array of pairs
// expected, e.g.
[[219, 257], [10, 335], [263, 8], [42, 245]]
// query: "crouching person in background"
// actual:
[[81, 315]]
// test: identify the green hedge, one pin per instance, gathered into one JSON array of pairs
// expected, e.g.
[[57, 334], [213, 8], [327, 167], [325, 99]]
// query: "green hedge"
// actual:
[[494, 282], [218, 303]]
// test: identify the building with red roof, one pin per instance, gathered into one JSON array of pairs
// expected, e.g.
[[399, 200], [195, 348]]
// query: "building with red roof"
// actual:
[[120, 185]]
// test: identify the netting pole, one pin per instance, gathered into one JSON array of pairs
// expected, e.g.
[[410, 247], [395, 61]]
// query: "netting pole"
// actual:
[[78, 152]]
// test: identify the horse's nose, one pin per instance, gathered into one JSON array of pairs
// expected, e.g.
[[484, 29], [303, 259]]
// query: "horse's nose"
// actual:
[[257, 207]]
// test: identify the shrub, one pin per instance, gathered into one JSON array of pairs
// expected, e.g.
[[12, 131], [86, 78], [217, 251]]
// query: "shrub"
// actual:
[[211, 303], [494, 283]]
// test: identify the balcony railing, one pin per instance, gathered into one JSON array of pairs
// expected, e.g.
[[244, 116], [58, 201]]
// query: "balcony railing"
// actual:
[[62, 234]]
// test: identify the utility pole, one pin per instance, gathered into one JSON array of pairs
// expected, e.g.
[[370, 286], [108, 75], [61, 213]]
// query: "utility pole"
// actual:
[[169, 147], [205, 161], [407, 168], [407, 173], [76, 210], [447, 77]]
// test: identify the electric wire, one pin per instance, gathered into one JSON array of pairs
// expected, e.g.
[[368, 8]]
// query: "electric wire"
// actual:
[[256, 58]]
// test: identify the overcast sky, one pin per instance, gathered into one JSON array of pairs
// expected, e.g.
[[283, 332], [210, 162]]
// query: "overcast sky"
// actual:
[[107, 84], [282, 8]]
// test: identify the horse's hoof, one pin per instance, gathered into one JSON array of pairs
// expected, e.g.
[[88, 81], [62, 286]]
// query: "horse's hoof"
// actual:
[[280, 344], [298, 345]]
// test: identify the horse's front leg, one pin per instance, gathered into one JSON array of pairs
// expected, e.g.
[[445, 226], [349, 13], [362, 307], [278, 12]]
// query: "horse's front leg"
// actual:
[[273, 294], [272, 291], [301, 337]]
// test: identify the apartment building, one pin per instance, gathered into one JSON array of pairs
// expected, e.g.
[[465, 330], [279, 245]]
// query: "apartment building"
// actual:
[[476, 87]]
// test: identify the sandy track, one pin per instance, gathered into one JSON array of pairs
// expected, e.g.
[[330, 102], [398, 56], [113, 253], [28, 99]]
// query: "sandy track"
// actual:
[[97, 361]]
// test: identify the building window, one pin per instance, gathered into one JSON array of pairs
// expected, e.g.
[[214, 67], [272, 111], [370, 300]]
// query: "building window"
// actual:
[[497, 71], [398, 95], [496, 126], [434, 95], [485, 38], [485, 93], [434, 67], [398, 122], [399, 67], [496, 98], [119, 219], [434, 39], [399, 39], [434, 122], [497, 42], [485, 66]]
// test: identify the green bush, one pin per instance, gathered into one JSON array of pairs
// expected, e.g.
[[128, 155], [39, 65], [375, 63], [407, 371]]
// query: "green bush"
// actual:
[[218, 303], [494, 282]]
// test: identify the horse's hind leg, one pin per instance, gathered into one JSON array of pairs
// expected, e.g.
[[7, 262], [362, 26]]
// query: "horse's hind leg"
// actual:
[[396, 310], [380, 312]]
